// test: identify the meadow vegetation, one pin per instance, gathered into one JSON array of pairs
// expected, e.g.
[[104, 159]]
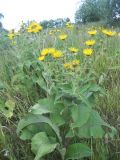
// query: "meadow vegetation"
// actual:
[[59, 93]]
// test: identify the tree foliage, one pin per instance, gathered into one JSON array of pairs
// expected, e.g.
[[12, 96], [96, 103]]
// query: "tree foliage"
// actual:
[[114, 11], [96, 10], [60, 22], [1, 16]]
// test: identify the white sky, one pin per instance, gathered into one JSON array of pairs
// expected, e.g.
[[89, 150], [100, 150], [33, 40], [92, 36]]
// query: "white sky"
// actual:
[[15, 11]]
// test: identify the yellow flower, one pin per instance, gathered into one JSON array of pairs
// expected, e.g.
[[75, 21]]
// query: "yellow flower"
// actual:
[[51, 50], [45, 52], [51, 32], [11, 35], [73, 50], [88, 51], [67, 66], [92, 32], [108, 32], [69, 25], [90, 42], [72, 64], [41, 58], [14, 43], [34, 27], [119, 34], [75, 62], [63, 36], [57, 54]]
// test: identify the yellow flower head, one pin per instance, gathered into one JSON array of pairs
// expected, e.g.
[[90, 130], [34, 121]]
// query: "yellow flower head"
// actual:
[[75, 62], [57, 54], [69, 25], [73, 50], [92, 32], [90, 42], [11, 35], [72, 64], [68, 66], [41, 58], [108, 32], [119, 34], [14, 43], [34, 27], [88, 51], [51, 32], [63, 36], [45, 52], [51, 50]]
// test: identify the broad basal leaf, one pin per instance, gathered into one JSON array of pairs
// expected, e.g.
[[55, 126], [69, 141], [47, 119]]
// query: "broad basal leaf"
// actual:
[[80, 115], [57, 119], [46, 105], [40, 109], [41, 145], [33, 119], [93, 127], [77, 151]]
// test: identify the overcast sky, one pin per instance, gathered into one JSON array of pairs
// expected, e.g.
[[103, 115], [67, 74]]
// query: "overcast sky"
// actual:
[[15, 11]]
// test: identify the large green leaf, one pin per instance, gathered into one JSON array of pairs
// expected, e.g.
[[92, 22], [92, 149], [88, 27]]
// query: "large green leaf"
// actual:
[[41, 145], [40, 109], [85, 88], [90, 89], [33, 119], [80, 115], [71, 133], [46, 105], [77, 151], [28, 132], [57, 119], [66, 91], [96, 131], [42, 83], [93, 127]]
